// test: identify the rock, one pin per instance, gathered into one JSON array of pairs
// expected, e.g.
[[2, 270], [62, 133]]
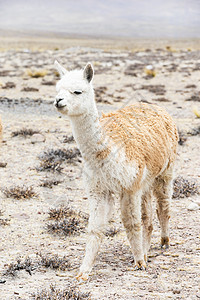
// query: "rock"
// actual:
[[3, 165], [38, 138], [193, 206], [2, 281]]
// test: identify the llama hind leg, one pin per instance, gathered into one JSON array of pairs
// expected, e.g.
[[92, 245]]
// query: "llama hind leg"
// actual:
[[147, 221], [100, 210], [131, 217], [163, 193]]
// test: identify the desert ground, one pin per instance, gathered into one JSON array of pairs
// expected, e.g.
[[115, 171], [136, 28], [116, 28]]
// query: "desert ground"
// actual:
[[44, 207]]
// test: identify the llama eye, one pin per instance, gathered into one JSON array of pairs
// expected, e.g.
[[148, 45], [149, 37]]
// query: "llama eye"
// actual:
[[77, 92]]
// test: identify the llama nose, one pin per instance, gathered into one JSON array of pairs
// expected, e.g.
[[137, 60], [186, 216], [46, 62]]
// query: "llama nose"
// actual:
[[57, 101]]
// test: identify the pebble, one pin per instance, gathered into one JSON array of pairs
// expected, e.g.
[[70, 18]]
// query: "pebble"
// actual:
[[193, 206], [37, 138], [2, 281]]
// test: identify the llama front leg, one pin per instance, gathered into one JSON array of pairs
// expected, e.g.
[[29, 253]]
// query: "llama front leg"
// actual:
[[131, 217], [100, 211]]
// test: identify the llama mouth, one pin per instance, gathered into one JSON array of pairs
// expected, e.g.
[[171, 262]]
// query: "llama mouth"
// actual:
[[59, 106]]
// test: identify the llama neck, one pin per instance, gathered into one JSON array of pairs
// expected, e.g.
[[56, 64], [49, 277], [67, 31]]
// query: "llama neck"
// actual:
[[88, 134]]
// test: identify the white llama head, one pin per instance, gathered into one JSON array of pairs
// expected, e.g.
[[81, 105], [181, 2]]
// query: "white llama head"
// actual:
[[75, 92]]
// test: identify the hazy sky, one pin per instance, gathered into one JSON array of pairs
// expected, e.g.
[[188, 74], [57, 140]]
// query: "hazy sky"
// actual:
[[134, 18]]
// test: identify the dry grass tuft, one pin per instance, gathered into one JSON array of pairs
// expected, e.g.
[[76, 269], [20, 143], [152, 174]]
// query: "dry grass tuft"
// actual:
[[66, 221], [3, 222], [150, 72], [195, 131], [101, 96], [54, 262], [52, 160], [36, 73], [184, 188], [182, 138], [158, 89], [26, 265], [51, 261], [53, 293], [19, 192], [112, 232], [25, 132], [195, 97], [9, 85], [68, 139], [50, 183], [29, 89]]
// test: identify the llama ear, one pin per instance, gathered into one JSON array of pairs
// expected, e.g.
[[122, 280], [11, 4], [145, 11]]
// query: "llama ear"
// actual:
[[88, 72], [61, 70]]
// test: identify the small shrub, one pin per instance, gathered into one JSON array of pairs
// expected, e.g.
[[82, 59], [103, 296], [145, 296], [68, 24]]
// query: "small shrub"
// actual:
[[30, 89], [25, 132], [184, 188], [195, 97], [65, 212], [54, 262], [182, 138], [19, 192], [157, 89], [49, 82], [195, 131], [71, 226], [3, 222], [68, 139], [111, 232], [26, 265], [36, 73], [52, 160], [50, 183], [66, 221], [9, 85], [53, 293]]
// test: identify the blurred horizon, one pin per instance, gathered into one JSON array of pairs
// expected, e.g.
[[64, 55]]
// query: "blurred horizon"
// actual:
[[105, 18]]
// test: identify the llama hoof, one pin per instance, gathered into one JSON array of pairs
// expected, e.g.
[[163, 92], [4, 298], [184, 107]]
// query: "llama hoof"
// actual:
[[82, 277], [165, 242], [140, 265]]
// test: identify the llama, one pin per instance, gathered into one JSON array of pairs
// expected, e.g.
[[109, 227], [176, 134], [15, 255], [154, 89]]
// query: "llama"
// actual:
[[129, 153]]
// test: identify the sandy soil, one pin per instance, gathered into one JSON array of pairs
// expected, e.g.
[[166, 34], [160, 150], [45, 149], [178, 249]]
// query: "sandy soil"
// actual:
[[120, 80]]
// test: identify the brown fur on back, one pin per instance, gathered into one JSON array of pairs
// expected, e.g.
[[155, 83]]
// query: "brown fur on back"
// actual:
[[146, 132]]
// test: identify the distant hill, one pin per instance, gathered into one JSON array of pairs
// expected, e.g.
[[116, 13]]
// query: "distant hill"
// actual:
[[117, 18]]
